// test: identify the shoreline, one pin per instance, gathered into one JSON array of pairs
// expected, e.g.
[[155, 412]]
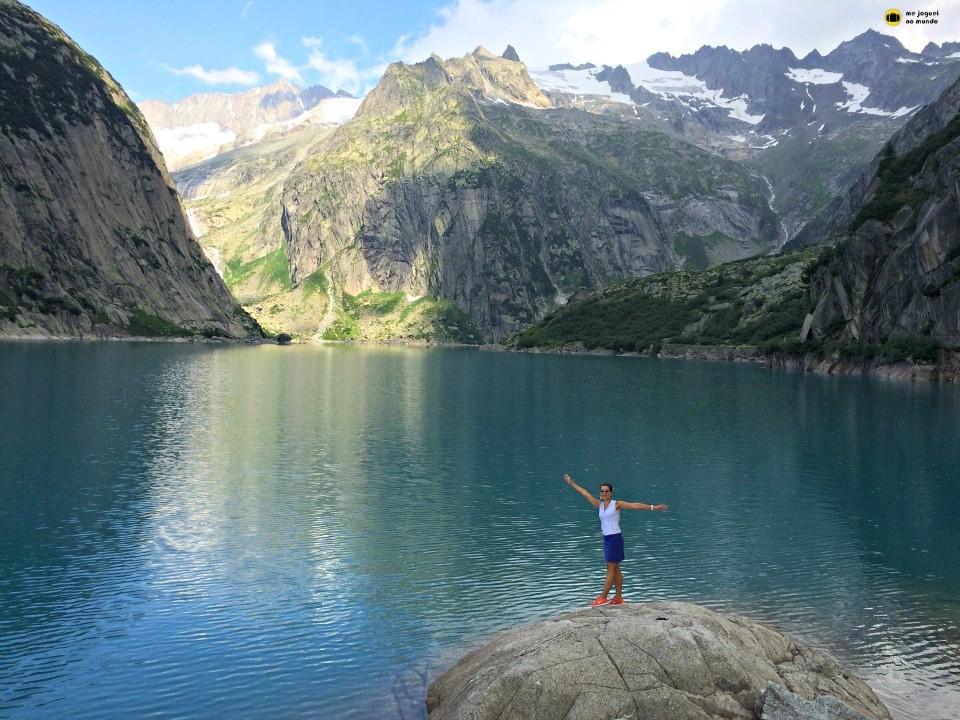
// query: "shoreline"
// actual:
[[819, 363]]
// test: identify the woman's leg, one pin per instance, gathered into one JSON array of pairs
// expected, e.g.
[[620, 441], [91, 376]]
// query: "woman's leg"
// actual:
[[618, 581], [612, 570]]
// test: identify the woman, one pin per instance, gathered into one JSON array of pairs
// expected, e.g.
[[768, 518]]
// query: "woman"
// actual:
[[612, 539]]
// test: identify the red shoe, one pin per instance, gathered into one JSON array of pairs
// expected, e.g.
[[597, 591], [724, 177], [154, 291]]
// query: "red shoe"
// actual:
[[601, 600], [616, 601]]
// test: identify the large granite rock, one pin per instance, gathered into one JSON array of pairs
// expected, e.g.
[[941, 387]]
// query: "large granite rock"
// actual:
[[659, 661], [93, 237], [778, 703]]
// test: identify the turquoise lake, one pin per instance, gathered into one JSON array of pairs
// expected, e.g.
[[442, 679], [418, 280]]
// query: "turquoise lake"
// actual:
[[315, 532]]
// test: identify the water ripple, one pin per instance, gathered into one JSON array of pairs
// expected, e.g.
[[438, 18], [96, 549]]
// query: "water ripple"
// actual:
[[317, 533]]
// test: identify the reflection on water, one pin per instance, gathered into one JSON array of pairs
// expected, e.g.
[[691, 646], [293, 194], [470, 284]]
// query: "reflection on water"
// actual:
[[314, 532]]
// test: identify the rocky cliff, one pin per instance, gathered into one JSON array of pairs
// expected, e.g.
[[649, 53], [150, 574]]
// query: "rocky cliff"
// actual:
[[454, 180], [93, 238], [809, 125], [895, 267]]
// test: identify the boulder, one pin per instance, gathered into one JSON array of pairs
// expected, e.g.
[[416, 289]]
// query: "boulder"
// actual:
[[778, 703], [660, 661]]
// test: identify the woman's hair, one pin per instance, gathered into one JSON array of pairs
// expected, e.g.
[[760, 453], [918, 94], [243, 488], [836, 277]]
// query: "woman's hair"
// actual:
[[609, 485]]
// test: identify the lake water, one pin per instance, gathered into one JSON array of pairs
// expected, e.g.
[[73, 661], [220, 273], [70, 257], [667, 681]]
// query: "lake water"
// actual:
[[314, 532]]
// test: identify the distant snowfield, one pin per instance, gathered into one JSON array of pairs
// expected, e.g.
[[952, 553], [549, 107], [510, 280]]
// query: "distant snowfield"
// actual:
[[815, 76], [694, 93], [338, 110], [577, 82], [209, 138], [858, 94], [665, 83], [190, 139]]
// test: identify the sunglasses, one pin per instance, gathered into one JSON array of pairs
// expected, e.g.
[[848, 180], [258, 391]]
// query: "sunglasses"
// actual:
[[604, 491]]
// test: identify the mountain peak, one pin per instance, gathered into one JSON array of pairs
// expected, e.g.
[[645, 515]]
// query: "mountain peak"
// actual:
[[873, 39], [510, 54], [481, 51], [281, 84]]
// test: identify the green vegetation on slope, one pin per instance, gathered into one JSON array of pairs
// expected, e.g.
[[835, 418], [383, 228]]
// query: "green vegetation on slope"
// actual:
[[759, 302], [748, 302], [897, 174]]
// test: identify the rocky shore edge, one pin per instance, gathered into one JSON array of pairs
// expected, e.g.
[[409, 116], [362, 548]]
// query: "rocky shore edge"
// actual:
[[655, 661], [946, 371]]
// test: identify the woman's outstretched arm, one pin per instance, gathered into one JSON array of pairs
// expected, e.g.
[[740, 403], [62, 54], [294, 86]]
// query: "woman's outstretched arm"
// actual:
[[621, 505], [590, 498]]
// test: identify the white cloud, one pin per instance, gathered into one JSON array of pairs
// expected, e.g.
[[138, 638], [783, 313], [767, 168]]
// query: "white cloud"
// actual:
[[340, 74], [360, 43], [277, 64], [230, 76]]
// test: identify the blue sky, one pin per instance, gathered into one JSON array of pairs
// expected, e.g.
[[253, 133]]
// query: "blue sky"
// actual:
[[169, 49]]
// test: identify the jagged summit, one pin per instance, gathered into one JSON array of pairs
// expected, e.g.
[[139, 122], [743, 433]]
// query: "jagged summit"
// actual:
[[479, 74], [481, 51], [510, 54]]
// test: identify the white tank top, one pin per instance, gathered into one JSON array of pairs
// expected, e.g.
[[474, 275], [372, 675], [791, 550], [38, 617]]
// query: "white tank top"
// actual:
[[610, 518]]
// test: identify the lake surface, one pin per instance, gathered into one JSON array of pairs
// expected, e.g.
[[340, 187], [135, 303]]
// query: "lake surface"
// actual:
[[314, 532]]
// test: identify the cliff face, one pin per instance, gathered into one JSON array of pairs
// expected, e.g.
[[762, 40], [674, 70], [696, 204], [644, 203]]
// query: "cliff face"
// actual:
[[93, 238], [454, 181], [898, 270]]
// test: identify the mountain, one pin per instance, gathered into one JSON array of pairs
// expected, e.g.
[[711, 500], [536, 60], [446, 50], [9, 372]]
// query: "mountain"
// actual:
[[886, 284], [895, 268], [808, 125], [206, 124], [456, 181], [93, 238]]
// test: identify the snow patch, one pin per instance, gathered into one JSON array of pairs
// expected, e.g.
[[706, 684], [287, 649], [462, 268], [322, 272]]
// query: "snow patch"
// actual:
[[665, 83], [815, 76], [338, 110], [770, 142], [188, 139], [577, 82], [906, 60], [858, 94], [955, 55]]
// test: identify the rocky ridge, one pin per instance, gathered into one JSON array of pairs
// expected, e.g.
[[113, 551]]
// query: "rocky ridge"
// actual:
[[453, 181], [655, 660], [879, 295], [93, 238], [895, 268], [207, 124], [809, 125]]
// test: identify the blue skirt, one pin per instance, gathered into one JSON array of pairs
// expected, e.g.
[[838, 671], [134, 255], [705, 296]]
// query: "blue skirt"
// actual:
[[613, 548]]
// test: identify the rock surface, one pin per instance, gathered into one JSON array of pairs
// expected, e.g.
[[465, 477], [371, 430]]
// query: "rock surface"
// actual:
[[93, 238], [669, 661], [896, 267], [778, 703], [455, 181]]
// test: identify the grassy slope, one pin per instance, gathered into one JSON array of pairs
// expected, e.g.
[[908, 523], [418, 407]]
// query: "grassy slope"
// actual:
[[748, 302], [759, 302], [435, 130]]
